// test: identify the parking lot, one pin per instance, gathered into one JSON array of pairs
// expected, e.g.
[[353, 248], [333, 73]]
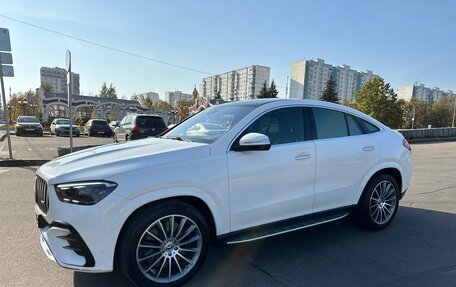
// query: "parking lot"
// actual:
[[418, 249], [44, 148]]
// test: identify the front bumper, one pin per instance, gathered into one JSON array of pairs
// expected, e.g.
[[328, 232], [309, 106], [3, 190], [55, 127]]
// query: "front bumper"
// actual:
[[81, 238], [29, 130], [68, 246]]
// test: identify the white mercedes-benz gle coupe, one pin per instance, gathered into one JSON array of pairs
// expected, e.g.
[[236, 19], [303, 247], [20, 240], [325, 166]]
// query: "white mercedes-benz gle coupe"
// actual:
[[232, 173]]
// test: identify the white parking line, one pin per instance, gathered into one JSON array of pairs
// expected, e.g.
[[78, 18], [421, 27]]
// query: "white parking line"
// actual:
[[3, 170]]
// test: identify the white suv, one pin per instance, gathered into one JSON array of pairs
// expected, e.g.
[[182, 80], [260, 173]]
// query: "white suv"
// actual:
[[233, 173]]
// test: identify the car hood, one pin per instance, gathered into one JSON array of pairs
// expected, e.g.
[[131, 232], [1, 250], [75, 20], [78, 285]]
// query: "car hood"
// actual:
[[108, 160]]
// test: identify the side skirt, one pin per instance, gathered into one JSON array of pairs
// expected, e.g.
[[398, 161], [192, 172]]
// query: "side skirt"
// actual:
[[283, 226]]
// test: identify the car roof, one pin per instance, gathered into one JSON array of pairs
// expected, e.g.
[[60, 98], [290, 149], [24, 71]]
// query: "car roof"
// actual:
[[305, 102]]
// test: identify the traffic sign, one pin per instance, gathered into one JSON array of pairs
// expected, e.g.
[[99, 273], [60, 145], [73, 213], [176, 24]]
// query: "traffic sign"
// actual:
[[5, 44], [6, 58], [7, 71]]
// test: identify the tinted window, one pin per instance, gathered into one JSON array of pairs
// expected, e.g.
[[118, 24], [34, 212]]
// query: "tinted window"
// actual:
[[100, 123], [281, 126], [353, 128], [150, 122], [329, 123], [370, 128]]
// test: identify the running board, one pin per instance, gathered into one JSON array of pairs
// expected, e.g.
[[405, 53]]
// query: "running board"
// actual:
[[285, 226]]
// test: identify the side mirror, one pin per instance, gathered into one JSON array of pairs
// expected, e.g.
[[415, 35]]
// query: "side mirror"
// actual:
[[254, 141]]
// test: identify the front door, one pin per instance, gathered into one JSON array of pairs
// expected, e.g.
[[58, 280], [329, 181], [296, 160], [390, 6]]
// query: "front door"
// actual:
[[269, 186]]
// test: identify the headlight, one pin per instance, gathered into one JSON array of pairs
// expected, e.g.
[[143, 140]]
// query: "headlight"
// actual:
[[84, 193]]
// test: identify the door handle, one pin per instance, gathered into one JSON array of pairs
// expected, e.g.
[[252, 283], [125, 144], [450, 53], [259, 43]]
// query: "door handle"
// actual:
[[368, 148], [301, 156]]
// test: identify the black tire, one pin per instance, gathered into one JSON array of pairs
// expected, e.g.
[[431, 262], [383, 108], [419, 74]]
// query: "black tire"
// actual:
[[133, 233], [127, 138], [370, 220]]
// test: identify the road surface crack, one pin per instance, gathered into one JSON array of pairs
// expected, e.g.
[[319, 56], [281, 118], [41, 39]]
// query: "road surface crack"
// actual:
[[267, 274]]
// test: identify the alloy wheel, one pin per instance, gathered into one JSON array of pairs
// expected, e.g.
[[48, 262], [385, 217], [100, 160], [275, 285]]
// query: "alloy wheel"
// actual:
[[169, 248], [382, 203]]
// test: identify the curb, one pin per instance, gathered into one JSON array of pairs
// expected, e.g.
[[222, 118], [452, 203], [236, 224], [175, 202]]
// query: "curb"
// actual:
[[22, 163], [61, 151]]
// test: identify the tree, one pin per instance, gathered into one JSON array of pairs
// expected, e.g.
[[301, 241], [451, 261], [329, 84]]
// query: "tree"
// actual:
[[108, 92], [46, 87], [330, 93], [273, 92], [148, 103], [377, 99], [264, 91]]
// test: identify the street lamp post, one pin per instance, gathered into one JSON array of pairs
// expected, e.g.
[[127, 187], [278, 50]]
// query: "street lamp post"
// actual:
[[454, 112], [23, 103], [33, 107]]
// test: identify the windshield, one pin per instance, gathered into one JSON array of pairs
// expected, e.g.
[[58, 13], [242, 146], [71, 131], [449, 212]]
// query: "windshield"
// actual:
[[211, 124], [63, 122], [27, 120]]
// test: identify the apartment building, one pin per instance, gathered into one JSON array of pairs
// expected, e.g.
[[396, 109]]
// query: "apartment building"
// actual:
[[57, 78]]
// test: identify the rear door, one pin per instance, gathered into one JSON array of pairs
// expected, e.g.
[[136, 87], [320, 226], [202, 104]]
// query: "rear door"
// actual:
[[150, 125], [345, 153]]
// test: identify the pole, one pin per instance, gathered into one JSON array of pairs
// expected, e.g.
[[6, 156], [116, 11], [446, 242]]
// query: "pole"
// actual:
[[286, 90], [70, 96], [413, 117], [454, 111], [10, 149]]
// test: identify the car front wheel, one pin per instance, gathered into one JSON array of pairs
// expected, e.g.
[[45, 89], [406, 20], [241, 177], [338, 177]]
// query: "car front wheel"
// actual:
[[164, 245], [378, 204]]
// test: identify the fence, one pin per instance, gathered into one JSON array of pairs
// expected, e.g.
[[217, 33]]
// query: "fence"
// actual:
[[437, 134]]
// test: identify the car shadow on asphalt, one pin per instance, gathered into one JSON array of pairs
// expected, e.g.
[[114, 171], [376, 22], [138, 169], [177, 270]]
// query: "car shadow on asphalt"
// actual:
[[417, 249]]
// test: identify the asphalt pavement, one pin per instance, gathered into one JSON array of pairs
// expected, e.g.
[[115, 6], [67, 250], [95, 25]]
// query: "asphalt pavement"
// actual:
[[417, 249], [30, 147]]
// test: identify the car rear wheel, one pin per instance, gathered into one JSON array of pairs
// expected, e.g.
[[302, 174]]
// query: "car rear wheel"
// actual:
[[164, 245], [378, 204]]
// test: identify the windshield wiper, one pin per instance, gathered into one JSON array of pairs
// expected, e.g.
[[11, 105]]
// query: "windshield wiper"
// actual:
[[177, 139]]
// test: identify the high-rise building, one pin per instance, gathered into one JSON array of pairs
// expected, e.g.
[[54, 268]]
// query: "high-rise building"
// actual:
[[421, 92], [57, 78], [149, 95], [309, 77], [173, 97], [236, 85]]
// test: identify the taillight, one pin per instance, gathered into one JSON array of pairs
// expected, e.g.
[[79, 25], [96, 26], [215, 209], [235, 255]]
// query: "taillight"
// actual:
[[136, 129], [165, 129], [406, 144]]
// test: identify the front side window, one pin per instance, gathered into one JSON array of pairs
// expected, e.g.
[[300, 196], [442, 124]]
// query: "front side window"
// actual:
[[329, 123], [282, 126]]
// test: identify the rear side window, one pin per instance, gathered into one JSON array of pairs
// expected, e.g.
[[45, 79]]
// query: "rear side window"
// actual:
[[150, 122], [368, 127], [329, 123], [353, 127]]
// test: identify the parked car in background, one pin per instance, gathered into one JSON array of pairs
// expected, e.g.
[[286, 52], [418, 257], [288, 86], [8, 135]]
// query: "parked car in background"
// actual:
[[61, 126], [139, 126], [28, 125], [114, 124], [258, 168], [98, 127]]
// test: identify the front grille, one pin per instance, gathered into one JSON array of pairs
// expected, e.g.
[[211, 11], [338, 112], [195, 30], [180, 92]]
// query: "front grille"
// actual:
[[41, 194]]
